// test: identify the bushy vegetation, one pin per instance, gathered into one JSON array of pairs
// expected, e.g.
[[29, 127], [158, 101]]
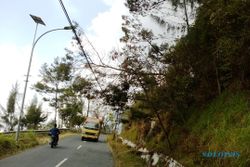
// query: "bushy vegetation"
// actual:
[[9, 146], [221, 126]]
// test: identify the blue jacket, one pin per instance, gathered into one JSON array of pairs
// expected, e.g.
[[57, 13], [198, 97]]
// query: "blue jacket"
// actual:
[[54, 131]]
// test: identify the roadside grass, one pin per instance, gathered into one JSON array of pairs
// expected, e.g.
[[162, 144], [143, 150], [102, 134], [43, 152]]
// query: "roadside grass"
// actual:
[[124, 156], [132, 132], [8, 145], [224, 126]]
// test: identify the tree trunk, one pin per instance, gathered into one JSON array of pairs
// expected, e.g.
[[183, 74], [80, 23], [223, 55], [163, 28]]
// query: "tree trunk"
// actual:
[[157, 115], [164, 130], [217, 75], [186, 15]]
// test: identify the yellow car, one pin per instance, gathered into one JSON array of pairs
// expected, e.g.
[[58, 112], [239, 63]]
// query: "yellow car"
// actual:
[[91, 129]]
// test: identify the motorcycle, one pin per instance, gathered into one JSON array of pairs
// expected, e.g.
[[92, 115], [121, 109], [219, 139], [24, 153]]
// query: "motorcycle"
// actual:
[[53, 141]]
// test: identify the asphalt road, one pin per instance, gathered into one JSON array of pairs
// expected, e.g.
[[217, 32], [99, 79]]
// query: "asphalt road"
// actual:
[[71, 152]]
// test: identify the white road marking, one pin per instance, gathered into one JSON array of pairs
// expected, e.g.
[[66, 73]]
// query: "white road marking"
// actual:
[[79, 147], [61, 162]]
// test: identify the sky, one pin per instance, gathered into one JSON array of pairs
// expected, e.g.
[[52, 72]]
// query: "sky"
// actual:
[[100, 20]]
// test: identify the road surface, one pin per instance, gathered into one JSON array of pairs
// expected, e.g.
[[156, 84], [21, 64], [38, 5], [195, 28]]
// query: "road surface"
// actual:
[[71, 152]]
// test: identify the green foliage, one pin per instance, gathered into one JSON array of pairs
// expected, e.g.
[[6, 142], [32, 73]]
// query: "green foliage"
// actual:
[[54, 78], [81, 86], [211, 54], [71, 101], [78, 120], [117, 96], [63, 89], [7, 145], [34, 115], [223, 29], [71, 113], [139, 110], [9, 114]]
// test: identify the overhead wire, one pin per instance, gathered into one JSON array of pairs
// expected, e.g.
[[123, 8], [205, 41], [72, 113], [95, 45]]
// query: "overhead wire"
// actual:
[[98, 55], [88, 59]]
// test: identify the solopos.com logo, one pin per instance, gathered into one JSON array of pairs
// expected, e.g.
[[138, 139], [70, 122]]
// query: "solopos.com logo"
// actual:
[[220, 154]]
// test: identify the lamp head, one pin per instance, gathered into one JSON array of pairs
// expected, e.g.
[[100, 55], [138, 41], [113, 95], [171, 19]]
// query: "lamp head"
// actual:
[[37, 19], [69, 27]]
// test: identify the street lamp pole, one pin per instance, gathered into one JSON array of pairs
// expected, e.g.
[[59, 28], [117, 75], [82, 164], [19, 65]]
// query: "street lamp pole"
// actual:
[[38, 20]]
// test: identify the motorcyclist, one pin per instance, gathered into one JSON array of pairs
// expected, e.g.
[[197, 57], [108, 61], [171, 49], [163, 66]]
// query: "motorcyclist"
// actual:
[[54, 132]]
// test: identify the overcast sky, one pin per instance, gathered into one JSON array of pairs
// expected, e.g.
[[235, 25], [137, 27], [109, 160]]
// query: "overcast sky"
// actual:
[[100, 20]]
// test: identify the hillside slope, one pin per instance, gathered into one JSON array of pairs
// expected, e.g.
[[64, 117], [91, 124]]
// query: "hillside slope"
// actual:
[[216, 135]]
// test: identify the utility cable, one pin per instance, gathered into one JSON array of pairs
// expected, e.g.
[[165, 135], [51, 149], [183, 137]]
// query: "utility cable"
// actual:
[[98, 55], [79, 42]]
